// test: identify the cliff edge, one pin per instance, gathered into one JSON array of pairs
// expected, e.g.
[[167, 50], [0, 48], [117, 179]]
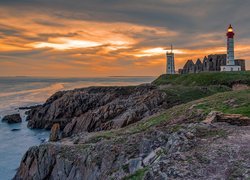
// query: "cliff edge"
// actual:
[[195, 131]]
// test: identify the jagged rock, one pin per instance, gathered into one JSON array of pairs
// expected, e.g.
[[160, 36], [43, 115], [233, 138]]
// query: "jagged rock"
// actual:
[[212, 117], [233, 119], [152, 156], [134, 165], [97, 108], [55, 132], [11, 119], [184, 154]]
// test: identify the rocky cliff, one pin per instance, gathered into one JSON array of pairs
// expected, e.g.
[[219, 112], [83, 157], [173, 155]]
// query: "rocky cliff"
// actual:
[[183, 142], [169, 131], [160, 153], [97, 108]]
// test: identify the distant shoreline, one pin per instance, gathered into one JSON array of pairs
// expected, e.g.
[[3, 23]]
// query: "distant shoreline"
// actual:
[[132, 76]]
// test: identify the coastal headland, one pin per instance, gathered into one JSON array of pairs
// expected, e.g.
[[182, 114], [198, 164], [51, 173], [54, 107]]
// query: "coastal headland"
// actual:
[[193, 126]]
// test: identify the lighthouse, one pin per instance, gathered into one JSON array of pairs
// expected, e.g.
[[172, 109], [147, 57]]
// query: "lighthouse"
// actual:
[[170, 62], [230, 64], [230, 46]]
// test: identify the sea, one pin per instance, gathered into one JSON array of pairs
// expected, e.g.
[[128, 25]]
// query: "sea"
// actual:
[[15, 92]]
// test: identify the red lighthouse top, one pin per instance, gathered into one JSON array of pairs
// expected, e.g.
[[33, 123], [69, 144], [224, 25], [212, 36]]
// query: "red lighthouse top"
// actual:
[[230, 32]]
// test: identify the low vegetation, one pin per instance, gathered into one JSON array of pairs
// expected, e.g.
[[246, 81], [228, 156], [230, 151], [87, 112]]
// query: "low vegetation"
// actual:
[[179, 94], [205, 79]]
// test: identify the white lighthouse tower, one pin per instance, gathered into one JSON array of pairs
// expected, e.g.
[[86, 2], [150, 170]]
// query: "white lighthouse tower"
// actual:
[[170, 62], [230, 65]]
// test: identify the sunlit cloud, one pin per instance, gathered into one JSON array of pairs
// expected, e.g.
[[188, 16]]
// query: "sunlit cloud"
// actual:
[[157, 51], [63, 44], [60, 40]]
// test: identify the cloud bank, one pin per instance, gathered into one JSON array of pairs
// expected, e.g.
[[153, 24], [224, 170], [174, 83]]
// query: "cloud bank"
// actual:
[[114, 37]]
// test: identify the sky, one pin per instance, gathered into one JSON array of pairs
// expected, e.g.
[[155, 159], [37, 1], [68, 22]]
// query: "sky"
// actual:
[[93, 38]]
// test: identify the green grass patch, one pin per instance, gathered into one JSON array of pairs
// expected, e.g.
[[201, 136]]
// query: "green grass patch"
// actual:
[[205, 79], [100, 136], [138, 175], [244, 110], [221, 102], [183, 94]]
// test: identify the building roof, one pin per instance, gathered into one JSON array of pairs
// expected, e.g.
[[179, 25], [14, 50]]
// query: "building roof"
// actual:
[[188, 64], [198, 62]]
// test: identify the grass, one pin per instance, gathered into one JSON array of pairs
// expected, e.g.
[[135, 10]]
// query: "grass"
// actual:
[[182, 94], [205, 79], [138, 175], [241, 110], [219, 102], [100, 136]]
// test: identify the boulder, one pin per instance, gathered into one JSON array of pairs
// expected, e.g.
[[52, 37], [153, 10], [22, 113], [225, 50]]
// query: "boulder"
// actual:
[[152, 156], [11, 119], [233, 119], [134, 164], [55, 132], [212, 117]]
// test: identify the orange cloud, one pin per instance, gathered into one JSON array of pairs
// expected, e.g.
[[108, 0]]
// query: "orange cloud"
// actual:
[[43, 45]]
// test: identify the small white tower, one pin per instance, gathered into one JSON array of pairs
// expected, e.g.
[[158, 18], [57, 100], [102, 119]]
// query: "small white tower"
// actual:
[[170, 62], [230, 65]]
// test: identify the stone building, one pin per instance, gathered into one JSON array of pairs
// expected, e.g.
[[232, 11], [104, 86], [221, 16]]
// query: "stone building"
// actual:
[[212, 62]]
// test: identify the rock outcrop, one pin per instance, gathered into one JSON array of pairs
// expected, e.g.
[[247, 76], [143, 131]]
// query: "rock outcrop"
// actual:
[[11, 119], [55, 132], [177, 142], [165, 152], [233, 119], [97, 108]]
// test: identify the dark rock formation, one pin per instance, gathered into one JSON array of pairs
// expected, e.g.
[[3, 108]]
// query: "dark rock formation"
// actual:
[[233, 119], [97, 108], [164, 152], [11, 119], [55, 132]]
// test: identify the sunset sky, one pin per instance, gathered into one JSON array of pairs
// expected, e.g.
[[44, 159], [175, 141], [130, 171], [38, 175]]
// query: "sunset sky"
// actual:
[[90, 38]]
